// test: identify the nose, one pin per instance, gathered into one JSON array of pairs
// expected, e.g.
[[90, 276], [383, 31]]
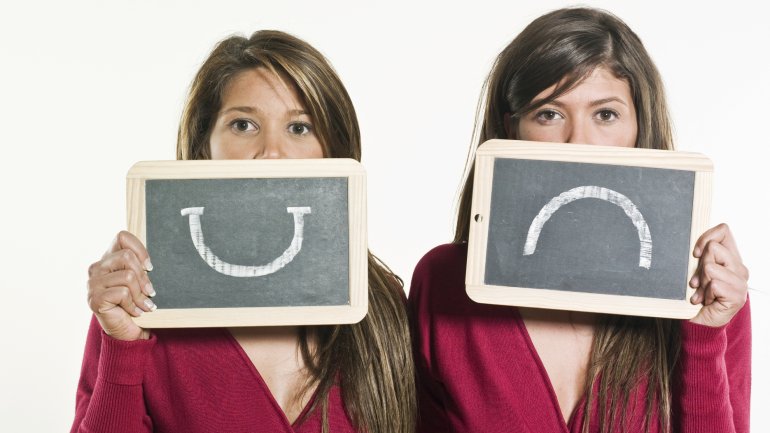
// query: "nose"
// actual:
[[271, 146], [579, 133]]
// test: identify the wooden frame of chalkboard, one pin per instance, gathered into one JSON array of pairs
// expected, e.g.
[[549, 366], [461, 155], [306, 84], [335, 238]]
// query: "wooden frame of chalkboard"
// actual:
[[487, 283], [304, 176]]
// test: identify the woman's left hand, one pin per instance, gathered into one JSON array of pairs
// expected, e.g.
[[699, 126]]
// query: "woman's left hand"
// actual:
[[720, 280]]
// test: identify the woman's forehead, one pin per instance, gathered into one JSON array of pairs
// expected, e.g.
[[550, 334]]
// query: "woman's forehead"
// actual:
[[600, 83]]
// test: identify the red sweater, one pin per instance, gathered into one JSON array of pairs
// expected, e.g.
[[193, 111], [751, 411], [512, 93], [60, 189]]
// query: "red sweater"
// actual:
[[182, 380], [479, 371]]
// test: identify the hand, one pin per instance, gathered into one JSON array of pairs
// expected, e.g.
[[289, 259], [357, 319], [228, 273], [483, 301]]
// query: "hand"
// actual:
[[720, 280], [119, 288]]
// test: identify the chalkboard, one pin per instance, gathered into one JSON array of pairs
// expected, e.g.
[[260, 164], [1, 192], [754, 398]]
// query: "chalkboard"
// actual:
[[250, 243], [587, 228]]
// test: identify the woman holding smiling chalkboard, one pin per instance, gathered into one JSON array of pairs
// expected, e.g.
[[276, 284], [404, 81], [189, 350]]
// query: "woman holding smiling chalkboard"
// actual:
[[579, 76], [269, 96]]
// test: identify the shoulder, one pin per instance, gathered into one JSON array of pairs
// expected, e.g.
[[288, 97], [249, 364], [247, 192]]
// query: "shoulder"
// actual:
[[443, 266], [438, 288], [442, 258], [439, 278]]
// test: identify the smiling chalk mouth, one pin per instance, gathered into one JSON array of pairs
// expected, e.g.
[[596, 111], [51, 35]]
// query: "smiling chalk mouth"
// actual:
[[233, 270]]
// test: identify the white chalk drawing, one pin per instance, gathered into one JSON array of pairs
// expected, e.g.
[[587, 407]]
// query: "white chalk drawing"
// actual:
[[232, 270], [588, 191]]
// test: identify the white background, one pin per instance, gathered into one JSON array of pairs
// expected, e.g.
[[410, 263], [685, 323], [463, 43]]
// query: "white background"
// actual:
[[89, 88]]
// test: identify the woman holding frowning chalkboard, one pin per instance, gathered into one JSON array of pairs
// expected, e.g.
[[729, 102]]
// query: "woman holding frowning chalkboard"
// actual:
[[269, 96], [579, 76]]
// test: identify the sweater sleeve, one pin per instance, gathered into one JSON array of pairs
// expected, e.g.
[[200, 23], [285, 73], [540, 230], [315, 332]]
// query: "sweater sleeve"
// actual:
[[432, 416], [714, 387], [109, 395]]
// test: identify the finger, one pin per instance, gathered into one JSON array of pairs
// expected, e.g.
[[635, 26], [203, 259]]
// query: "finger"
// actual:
[[721, 234], [718, 309], [710, 254], [724, 286], [734, 285], [695, 280], [698, 280], [111, 299], [128, 278], [697, 297], [715, 252], [126, 240], [124, 259]]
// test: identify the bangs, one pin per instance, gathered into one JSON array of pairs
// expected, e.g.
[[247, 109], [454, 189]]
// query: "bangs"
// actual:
[[563, 68], [563, 85]]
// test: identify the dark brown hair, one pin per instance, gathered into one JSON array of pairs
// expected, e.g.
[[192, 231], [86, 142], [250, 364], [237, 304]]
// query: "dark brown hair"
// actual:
[[562, 48], [371, 359]]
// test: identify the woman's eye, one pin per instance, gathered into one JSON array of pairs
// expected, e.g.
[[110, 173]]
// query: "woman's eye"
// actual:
[[607, 115], [243, 125], [300, 128], [548, 116]]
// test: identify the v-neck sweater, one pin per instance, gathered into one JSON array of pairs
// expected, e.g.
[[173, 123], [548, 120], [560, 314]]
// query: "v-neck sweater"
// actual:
[[183, 380], [478, 370]]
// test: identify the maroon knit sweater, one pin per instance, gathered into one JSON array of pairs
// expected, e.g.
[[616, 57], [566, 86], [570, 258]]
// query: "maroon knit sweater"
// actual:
[[183, 380], [478, 370]]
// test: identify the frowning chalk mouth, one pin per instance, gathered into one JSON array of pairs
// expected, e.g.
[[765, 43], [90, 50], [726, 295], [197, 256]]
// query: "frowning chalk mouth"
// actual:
[[601, 193]]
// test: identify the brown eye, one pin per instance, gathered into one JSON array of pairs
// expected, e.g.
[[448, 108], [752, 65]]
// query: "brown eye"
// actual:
[[607, 115], [300, 128], [546, 116], [243, 125]]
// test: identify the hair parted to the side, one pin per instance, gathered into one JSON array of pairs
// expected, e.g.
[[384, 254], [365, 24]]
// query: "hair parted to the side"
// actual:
[[372, 359], [562, 48], [288, 57]]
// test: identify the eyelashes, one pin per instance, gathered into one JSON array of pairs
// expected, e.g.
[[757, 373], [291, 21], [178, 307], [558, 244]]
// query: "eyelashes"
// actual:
[[548, 116], [607, 115], [243, 126], [300, 128]]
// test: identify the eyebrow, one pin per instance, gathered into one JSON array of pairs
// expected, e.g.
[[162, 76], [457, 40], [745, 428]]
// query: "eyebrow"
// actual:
[[592, 103], [248, 109], [606, 100]]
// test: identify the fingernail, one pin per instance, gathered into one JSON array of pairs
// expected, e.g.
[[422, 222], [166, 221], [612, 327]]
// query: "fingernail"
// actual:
[[696, 252], [147, 264], [149, 290], [150, 305], [138, 311], [694, 299], [694, 282]]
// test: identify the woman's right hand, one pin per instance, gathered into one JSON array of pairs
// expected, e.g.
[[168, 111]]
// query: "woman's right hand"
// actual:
[[119, 288]]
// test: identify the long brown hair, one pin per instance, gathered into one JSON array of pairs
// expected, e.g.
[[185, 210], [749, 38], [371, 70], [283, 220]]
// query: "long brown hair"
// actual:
[[372, 359], [562, 48]]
